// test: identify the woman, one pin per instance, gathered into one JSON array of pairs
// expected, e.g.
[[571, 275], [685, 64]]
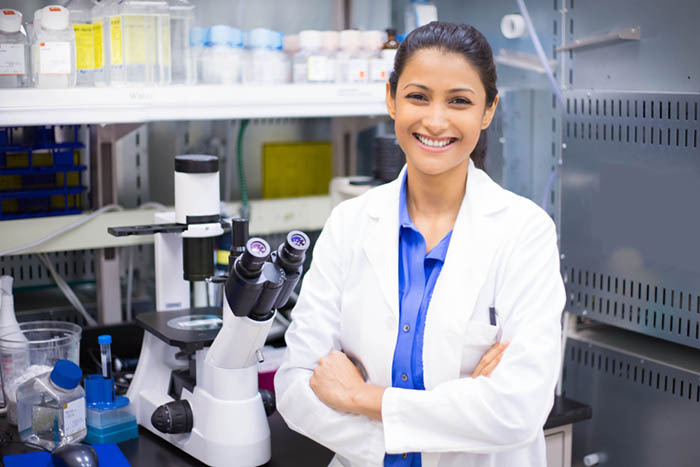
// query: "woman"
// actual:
[[415, 280]]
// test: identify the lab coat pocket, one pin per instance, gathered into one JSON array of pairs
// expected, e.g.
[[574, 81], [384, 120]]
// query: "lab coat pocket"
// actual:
[[478, 338]]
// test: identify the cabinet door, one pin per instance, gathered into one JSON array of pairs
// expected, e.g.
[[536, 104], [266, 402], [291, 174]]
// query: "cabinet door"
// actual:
[[555, 440]]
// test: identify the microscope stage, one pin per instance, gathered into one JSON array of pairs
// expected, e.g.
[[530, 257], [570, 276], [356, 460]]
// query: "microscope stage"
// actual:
[[189, 328]]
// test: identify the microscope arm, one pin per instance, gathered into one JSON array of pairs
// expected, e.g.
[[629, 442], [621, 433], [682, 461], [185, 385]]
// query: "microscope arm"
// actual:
[[239, 341]]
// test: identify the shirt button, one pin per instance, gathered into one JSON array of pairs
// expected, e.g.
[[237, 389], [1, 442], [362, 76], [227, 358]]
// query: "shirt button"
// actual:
[[406, 328], [404, 455], [404, 377]]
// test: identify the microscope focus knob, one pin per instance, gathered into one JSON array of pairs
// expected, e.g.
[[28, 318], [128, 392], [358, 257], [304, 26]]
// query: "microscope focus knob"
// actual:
[[173, 417], [268, 398]]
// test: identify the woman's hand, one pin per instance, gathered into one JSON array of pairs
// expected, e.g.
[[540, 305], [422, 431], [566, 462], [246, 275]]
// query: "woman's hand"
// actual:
[[336, 380], [338, 383], [490, 360]]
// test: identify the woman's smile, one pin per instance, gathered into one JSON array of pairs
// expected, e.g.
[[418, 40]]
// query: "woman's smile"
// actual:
[[433, 144]]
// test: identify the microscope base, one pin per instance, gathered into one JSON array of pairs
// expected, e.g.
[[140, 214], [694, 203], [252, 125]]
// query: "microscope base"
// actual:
[[230, 426]]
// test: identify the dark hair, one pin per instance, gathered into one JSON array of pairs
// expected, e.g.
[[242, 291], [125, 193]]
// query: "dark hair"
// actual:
[[460, 39]]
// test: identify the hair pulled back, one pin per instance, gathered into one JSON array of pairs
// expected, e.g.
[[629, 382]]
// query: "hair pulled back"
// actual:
[[455, 38]]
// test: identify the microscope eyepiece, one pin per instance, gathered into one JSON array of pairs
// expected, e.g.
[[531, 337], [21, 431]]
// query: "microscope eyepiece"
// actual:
[[293, 251], [257, 251]]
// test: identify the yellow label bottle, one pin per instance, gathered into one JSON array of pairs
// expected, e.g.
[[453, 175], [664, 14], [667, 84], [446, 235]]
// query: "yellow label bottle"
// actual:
[[99, 51], [115, 40], [84, 46]]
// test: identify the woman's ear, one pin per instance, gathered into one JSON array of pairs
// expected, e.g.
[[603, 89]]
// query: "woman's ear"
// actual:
[[390, 102], [488, 114]]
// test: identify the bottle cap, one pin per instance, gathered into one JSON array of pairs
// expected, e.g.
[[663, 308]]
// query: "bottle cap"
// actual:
[[55, 18], [258, 38], [197, 36], [10, 20], [372, 40], [310, 39], [235, 37], [276, 39], [219, 34], [66, 374], [290, 43], [104, 339], [350, 39], [330, 40]]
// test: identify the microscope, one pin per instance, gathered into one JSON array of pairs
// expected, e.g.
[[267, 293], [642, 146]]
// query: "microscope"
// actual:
[[196, 383]]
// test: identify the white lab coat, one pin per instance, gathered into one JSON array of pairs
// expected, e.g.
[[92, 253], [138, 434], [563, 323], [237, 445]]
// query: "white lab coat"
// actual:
[[503, 253]]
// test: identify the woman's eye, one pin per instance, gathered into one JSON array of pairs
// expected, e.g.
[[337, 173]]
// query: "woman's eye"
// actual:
[[418, 97], [460, 101]]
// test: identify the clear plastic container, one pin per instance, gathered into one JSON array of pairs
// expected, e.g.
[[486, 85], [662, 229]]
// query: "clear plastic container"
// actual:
[[330, 43], [34, 350], [353, 64], [81, 20], [53, 52], [100, 25], [51, 407], [223, 55], [264, 63], [14, 51], [197, 39], [140, 42], [290, 46], [310, 64], [182, 19]]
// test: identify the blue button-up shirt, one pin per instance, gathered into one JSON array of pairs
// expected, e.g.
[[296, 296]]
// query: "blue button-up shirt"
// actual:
[[418, 273]]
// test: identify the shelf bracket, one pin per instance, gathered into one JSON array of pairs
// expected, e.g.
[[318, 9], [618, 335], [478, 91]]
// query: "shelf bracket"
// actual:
[[521, 60], [628, 34]]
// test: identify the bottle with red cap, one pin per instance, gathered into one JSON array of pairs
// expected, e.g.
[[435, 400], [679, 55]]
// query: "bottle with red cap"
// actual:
[[14, 51]]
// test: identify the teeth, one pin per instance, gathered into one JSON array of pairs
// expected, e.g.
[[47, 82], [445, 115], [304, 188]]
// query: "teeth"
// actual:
[[434, 143]]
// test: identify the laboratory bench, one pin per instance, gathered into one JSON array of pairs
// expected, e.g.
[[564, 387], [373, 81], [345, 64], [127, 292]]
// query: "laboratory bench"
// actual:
[[289, 449]]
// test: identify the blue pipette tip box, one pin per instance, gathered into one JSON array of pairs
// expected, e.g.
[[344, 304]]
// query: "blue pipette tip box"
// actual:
[[107, 417]]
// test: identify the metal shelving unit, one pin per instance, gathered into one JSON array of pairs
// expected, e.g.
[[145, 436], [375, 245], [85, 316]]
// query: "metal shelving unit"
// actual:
[[144, 104]]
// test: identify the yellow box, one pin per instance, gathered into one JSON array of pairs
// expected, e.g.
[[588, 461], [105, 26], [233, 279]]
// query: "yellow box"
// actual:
[[9, 206], [296, 169], [10, 182]]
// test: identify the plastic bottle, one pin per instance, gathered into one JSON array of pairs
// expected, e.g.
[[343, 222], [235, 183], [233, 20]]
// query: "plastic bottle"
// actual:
[[290, 46], [100, 27], [221, 61], [381, 67], [51, 407], [113, 34], [353, 66], [182, 19], [8, 320], [310, 64], [53, 51], [142, 28], [81, 20], [263, 60], [419, 13], [197, 38], [330, 43], [371, 49], [14, 51]]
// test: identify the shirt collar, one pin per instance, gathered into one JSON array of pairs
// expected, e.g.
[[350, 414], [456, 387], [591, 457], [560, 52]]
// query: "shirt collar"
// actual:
[[404, 218], [439, 252]]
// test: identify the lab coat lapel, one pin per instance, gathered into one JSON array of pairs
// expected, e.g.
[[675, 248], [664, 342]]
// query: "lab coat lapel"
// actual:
[[381, 243], [472, 247]]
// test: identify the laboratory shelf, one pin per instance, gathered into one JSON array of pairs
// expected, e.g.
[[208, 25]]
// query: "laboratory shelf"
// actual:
[[201, 102], [266, 216]]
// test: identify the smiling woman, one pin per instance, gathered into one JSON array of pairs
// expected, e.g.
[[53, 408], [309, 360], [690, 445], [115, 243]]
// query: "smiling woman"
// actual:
[[441, 286]]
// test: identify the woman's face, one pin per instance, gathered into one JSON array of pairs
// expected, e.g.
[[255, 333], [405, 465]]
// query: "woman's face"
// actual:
[[439, 111]]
